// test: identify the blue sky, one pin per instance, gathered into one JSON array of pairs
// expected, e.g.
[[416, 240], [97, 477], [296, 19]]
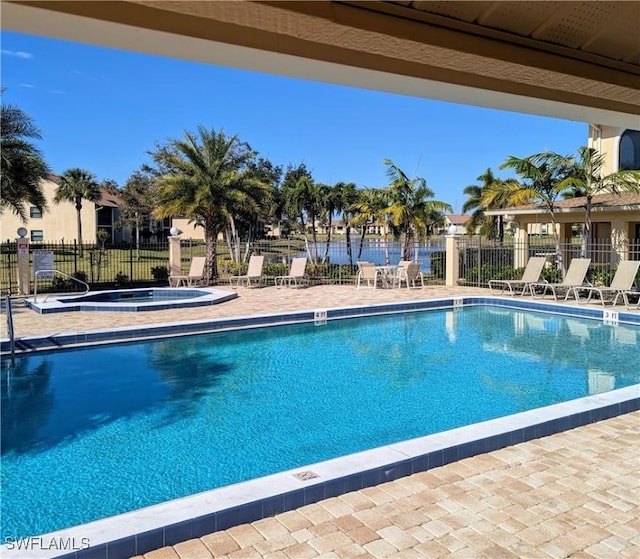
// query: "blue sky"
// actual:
[[104, 109]]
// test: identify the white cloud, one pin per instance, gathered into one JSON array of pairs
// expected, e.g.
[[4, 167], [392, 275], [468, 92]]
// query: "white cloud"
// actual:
[[17, 53], [57, 91], [26, 85]]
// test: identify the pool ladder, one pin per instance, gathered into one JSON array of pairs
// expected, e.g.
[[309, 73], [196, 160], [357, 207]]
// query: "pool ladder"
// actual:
[[54, 271]]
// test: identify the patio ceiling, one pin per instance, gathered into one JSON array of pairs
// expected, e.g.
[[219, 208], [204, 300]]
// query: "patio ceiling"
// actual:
[[573, 60]]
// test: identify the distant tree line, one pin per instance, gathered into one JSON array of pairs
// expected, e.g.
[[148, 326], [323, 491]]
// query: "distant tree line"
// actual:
[[224, 186]]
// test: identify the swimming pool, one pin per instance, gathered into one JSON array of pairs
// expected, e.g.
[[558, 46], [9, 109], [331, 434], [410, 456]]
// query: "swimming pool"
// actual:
[[174, 427], [132, 300]]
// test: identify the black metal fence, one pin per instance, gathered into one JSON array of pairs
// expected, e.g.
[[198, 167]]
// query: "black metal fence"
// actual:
[[105, 267], [481, 260]]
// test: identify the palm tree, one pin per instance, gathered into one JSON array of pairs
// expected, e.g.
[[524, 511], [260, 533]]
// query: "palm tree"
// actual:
[[369, 207], [305, 198], [410, 207], [75, 186], [137, 205], [22, 167], [586, 179], [487, 196], [346, 196], [543, 175], [205, 177], [292, 191]]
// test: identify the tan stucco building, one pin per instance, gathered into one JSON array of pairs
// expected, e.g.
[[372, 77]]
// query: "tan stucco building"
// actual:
[[615, 218], [58, 223]]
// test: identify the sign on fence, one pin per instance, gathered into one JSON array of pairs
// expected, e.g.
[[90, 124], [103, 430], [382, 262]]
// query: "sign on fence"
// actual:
[[43, 260]]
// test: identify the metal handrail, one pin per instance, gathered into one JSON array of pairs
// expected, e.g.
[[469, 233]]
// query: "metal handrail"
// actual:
[[39, 272], [10, 331]]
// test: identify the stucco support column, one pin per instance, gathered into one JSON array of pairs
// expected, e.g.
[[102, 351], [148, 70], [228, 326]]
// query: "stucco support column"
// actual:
[[453, 261], [564, 234], [24, 268], [521, 246], [619, 241], [175, 258]]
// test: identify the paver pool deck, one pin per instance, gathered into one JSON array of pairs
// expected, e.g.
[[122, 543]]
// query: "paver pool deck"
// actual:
[[573, 494]]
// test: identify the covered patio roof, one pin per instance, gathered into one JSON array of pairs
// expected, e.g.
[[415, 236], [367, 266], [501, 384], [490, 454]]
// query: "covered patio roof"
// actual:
[[624, 201], [572, 60]]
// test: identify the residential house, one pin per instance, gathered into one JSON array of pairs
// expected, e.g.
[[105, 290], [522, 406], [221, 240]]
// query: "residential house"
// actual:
[[459, 221]]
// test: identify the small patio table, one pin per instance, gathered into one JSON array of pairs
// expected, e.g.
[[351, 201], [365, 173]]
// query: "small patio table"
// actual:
[[388, 274]]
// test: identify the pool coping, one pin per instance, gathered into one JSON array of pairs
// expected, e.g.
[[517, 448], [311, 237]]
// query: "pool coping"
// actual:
[[318, 316], [142, 530]]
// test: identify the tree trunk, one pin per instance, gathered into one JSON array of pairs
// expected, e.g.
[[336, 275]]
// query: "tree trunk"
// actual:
[[326, 249], [234, 239], [364, 232], [211, 264], [587, 229], [558, 248], [314, 236], [349, 250]]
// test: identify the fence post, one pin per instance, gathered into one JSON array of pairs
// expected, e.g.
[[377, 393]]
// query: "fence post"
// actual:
[[131, 262], [24, 270], [175, 261], [452, 256], [521, 248]]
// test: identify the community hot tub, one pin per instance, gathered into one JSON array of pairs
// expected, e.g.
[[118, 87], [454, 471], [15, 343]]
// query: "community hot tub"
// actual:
[[133, 300]]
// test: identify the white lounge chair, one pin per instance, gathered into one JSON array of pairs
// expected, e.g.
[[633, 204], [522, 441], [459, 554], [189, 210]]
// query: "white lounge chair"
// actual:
[[573, 281], [296, 275], [195, 275], [253, 276], [531, 273], [621, 284]]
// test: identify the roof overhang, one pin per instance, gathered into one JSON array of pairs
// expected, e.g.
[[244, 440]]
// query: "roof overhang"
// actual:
[[502, 56], [564, 211]]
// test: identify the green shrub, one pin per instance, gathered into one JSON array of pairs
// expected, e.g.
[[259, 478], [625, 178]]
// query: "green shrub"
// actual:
[[600, 275], [121, 279], [160, 273]]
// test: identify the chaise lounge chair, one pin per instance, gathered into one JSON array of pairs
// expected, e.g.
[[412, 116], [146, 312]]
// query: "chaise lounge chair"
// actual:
[[254, 273], [620, 285], [195, 275], [531, 274], [296, 275], [573, 281]]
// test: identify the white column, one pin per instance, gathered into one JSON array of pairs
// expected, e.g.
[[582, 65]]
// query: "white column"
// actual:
[[521, 246], [24, 268], [175, 261], [452, 260]]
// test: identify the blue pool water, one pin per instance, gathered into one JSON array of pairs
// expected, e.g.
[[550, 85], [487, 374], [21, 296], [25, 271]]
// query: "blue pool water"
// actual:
[[88, 433]]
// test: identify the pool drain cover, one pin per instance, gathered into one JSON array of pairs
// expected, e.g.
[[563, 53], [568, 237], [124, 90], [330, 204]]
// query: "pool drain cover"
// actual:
[[306, 476]]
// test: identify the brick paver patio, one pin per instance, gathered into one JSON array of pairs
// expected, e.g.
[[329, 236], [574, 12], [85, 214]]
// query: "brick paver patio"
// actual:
[[573, 494]]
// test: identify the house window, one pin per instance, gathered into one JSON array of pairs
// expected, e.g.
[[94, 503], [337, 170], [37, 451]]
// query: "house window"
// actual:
[[37, 235], [629, 156], [34, 212]]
